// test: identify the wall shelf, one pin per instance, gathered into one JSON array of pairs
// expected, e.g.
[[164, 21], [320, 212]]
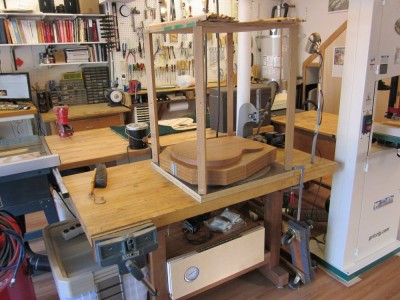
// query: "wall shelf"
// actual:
[[50, 16], [50, 44], [75, 63]]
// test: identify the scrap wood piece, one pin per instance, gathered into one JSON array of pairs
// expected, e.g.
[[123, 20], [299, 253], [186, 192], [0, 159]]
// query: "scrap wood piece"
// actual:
[[284, 20], [213, 17]]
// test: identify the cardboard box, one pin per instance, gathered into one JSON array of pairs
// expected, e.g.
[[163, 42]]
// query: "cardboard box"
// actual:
[[59, 56], [89, 6]]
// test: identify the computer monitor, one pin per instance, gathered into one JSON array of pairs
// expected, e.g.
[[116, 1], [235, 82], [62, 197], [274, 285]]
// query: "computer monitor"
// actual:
[[15, 87]]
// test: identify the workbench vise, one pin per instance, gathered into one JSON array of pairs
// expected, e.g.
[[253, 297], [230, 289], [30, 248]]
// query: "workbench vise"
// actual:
[[64, 128], [128, 250]]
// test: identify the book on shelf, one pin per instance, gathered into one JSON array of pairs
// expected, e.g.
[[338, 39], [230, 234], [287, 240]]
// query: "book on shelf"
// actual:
[[82, 54], [20, 31], [29, 31], [77, 54], [14, 28], [39, 31], [8, 35], [33, 31], [12, 32]]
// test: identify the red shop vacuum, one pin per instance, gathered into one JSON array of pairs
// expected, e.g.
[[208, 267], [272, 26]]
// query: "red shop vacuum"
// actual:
[[64, 128], [15, 280]]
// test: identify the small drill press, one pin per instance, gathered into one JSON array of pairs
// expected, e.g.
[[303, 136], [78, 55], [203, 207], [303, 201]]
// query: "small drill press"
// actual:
[[64, 128]]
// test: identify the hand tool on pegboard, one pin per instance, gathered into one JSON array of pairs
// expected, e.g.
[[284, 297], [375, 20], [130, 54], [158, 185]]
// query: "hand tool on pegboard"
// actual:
[[107, 30], [134, 12], [115, 24], [149, 10], [173, 11], [163, 14]]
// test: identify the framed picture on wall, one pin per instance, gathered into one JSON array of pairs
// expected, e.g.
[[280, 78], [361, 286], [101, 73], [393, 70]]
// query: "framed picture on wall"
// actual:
[[338, 61], [338, 6]]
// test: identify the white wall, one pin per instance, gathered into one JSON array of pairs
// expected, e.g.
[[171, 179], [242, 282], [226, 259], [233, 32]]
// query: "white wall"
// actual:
[[315, 12], [30, 55], [316, 16]]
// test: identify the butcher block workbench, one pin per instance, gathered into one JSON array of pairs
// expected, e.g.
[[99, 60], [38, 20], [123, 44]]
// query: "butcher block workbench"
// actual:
[[304, 128], [87, 117], [103, 145], [137, 193]]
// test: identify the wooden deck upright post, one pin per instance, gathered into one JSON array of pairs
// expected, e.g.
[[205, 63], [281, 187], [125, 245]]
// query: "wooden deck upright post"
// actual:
[[152, 100], [230, 84], [198, 46], [272, 224], [291, 98]]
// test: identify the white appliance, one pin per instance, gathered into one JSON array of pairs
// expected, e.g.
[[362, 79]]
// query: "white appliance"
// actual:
[[365, 201], [76, 274]]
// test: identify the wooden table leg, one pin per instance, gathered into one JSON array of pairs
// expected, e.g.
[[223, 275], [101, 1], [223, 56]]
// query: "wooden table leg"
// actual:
[[272, 223], [158, 267]]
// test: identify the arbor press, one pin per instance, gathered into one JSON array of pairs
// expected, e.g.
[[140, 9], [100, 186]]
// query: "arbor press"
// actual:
[[64, 128]]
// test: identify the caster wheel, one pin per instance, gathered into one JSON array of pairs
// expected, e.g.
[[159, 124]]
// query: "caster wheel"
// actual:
[[294, 282], [314, 264]]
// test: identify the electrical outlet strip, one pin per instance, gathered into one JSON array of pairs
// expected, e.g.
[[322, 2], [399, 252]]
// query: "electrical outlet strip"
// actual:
[[72, 231]]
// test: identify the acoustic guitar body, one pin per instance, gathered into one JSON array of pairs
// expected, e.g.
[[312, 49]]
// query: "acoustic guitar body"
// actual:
[[229, 159]]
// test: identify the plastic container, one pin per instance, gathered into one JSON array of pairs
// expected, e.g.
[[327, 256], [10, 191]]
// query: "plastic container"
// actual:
[[75, 272]]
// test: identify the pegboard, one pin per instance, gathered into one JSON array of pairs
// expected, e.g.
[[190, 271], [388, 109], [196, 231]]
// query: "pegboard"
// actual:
[[173, 54]]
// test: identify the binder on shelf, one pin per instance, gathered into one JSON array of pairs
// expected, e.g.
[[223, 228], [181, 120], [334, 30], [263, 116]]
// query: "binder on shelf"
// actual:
[[3, 36], [71, 6], [47, 6]]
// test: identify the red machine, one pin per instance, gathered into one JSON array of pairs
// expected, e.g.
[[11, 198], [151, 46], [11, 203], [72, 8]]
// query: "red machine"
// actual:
[[64, 129]]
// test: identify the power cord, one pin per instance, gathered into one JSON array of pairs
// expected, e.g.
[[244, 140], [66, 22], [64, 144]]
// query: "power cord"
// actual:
[[65, 203], [13, 250], [199, 237], [194, 231], [316, 196]]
